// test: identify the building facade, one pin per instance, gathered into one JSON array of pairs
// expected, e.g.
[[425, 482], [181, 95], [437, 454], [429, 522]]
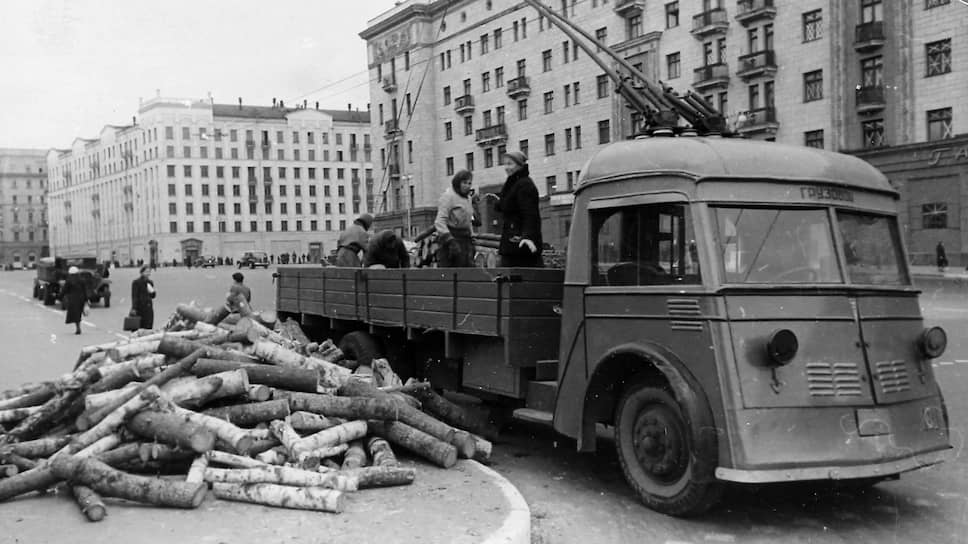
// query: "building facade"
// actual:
[[190, 177], [453, 83], [23, 206]]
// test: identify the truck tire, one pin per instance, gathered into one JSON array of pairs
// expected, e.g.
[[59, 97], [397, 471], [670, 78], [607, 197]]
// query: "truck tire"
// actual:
[[49, 297], [655, 450], [359, 346]]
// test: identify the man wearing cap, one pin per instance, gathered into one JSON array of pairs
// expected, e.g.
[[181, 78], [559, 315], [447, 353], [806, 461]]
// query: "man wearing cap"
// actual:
[[521, 220], [352, 241], [74, 294]]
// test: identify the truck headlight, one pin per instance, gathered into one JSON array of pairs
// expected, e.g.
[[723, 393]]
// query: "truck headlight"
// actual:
[[933, 342], [782, 346]]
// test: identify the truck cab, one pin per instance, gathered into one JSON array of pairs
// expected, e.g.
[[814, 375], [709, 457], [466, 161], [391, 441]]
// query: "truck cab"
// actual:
[[742, 311]]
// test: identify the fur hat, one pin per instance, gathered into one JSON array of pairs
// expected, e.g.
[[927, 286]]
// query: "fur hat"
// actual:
[[366, 220], [519, 158]]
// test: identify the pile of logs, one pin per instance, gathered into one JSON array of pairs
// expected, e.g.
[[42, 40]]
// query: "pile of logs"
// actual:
[[228, 400]]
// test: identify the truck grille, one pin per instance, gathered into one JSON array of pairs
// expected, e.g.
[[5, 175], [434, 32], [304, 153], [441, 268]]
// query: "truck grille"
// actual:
[[833, 379], [893, 376]]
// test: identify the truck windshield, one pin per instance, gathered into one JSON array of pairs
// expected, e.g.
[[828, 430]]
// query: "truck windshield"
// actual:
[[771, 245], [871, 249]]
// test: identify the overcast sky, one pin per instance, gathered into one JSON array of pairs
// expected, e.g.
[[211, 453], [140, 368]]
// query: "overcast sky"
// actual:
[[68, 67]]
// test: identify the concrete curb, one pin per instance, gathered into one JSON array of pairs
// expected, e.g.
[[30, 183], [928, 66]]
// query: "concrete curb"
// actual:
[[516, 528]]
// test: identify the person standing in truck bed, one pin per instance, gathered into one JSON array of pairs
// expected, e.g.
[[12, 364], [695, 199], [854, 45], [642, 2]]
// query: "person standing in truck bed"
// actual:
[[521, 242], [454, 223], [352, 241]]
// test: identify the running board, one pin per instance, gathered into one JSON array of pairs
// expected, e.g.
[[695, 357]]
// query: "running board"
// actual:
[[531, 415]]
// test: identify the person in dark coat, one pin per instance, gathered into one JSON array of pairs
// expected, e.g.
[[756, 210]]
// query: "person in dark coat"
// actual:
[[142, 291], [521, 242], [386, 250], [74, 294], [941, 255], [352, 241]]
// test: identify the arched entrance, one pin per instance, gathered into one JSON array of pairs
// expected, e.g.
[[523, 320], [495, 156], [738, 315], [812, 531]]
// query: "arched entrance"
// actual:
[[191, 249]]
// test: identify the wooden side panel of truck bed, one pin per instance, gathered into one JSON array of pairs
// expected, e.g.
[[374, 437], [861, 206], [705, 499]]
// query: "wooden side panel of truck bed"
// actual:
[[517, 305]]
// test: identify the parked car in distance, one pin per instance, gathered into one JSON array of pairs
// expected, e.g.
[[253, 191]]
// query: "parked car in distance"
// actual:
[[206, 261], [253, 259]]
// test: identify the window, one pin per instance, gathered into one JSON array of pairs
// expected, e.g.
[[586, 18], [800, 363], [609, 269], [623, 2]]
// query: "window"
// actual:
[[469, 161], [253, 226], [673, 65], [268, 226], [549, 99], [170, 151], [485, 82], [188, 189], [634, 26], [546, 60], [549, 141], [522, 66], [938, 56], [522, 109], [449, 165], [171, 170], [812, 25], [186, 133], [236, 190], [934, 215], [220, 190], [574, 90], [578, 137], [203, 171], [873, 133], [871, 11], [448, 131], [565, 52], [754, 96], [497, 38], [672, 14], [939, 124], [872, 249], [221, 208], [499, 77], [169, 133], [813, 138], [928, 4], [568, 139], [551, 182], [522, 146], [447, 95], [187, 171], [486, 118], [468, 125], [173, 226], [189, 226], [601, 84], [872, 72], [813, 86], [644, 245], [488, 157], [235, 172], [602, 35], [172, 208], [604, 132], [485, 39]]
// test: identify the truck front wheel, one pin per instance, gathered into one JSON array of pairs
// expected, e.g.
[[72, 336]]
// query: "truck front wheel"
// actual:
[[655, 450], [361, 347]]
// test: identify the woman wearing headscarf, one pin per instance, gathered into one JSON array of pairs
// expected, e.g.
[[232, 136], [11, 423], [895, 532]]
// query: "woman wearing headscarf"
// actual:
[[454, 223], [521, 220], [74, 294]]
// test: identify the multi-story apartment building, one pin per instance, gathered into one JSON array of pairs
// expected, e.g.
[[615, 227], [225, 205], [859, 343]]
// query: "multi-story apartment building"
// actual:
[[23, 206], [190, 177], [455, 82]]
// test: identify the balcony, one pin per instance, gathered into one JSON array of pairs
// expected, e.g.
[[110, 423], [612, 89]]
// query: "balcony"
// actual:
[[751, 11], [709, 22], [870, 99], [464, 104], [253, 197], [758, 121], [869, 36], [267, 180], [391, 128], [250, 143], [759, 64], [628, 8], [711, 76], [494, 134], [519, 87], [394, 170], [268, 198], [390, 84]]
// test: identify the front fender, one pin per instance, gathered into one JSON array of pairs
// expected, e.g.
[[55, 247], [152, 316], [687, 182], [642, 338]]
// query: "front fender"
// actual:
[[631, 363]]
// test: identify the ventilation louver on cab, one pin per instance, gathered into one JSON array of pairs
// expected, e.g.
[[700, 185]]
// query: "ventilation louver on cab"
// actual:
[[893, 376], [833, 379]]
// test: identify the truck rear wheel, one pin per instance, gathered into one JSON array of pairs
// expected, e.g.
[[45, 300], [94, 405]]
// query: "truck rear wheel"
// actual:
[[655, 450], [361, 347], [48, 297]]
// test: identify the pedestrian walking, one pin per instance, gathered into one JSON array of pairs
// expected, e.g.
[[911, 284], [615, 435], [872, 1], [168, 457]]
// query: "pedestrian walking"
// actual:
[[521, 242], [353, 241], [941, 256], [454, 223], [142, 292], [75, 298]]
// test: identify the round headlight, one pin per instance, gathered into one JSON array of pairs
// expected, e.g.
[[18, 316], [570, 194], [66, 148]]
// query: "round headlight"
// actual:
[[782, 346], [933, 342]]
